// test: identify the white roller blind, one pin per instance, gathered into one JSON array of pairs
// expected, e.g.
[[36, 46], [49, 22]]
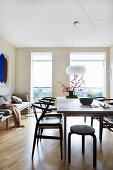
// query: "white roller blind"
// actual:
[[87, 56], [41, 69]]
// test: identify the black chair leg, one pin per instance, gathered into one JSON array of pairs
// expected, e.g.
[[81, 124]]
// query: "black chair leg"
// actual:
[[42, 131], [37, 141], [91, 121], [94, 150], [84, 119], [35, 136], [61, 134], [83, 143], [69, 147], [39, 132]]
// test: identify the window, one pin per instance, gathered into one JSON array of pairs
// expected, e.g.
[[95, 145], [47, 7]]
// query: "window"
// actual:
[[41, 80], [95, 74]]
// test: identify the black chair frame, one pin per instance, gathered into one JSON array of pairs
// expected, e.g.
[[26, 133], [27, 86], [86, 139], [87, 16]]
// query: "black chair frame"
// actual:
[[39, 127], [48, 103], [102, 122]]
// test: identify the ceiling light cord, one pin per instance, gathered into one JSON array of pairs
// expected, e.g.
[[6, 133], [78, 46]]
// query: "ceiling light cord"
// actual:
[[78, 38], [76, 28], [73, 38]]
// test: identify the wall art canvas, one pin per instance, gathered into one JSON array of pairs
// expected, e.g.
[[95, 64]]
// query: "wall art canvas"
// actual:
[[3, 70]]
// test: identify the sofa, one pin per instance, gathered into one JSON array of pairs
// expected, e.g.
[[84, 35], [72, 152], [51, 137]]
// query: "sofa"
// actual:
[[20, 100]]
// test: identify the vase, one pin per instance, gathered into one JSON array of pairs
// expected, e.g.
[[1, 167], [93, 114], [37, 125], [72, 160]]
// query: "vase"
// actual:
[[70, 93]]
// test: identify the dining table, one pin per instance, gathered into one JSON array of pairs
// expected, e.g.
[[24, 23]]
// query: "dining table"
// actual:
[[73, 107]]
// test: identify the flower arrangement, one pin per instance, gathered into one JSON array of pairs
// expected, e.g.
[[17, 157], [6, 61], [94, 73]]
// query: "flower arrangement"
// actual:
[[75, 84], [64, 88]]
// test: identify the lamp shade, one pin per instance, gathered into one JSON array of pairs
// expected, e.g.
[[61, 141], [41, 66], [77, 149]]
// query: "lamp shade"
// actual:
[[75, 69]]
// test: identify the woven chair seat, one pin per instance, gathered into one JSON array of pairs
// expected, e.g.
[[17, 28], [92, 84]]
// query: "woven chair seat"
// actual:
[[50, 121]]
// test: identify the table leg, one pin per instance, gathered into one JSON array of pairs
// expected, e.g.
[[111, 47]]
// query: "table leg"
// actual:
[[65, 137], [100, 129]]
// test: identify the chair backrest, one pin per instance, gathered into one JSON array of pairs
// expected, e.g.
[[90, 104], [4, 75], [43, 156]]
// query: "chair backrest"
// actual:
[[48, 102], [108, 101], [102, 99], [42, 106], [49, 98]]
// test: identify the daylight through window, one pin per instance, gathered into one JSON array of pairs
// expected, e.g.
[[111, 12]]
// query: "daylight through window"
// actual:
[[95, 74], [41, 81]]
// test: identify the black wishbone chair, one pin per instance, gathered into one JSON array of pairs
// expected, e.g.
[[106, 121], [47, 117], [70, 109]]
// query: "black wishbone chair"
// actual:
[[49, 103], [101, 99], [105, 121], [43, 122], [108, 120]]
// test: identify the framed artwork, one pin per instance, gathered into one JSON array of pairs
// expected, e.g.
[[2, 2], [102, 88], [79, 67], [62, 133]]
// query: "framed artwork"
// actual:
[[3, 70]]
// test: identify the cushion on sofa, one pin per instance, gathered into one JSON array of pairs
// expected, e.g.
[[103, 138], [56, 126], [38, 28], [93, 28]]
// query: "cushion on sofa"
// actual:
[[16, 99], [2, 101], [7, 98], [24, 97], [6, 112]]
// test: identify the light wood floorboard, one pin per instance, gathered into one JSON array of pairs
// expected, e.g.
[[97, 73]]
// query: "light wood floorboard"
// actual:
[[16, 148]]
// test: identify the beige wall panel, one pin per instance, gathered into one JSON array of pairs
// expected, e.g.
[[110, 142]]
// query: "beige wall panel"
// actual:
[[7, 49], [60, 62], [22, 71]]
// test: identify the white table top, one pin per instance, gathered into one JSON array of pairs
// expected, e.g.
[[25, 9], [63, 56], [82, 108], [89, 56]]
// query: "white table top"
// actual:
[[73, 107]]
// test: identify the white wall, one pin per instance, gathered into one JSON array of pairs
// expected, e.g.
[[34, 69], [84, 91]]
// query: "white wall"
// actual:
[[7, 49], [60, 62], [111, 63]]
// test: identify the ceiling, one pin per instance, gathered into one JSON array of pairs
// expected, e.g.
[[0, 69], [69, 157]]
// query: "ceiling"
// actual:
[[49, 23]]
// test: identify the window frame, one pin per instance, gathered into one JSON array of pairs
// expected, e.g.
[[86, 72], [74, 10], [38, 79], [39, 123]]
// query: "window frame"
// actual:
[[104, 64], [43, 60]]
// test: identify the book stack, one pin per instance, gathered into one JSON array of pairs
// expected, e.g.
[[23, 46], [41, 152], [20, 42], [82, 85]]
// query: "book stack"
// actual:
[[1, 115]]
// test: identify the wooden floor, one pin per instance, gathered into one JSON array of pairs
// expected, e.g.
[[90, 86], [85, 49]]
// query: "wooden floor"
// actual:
[[16, 148]]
